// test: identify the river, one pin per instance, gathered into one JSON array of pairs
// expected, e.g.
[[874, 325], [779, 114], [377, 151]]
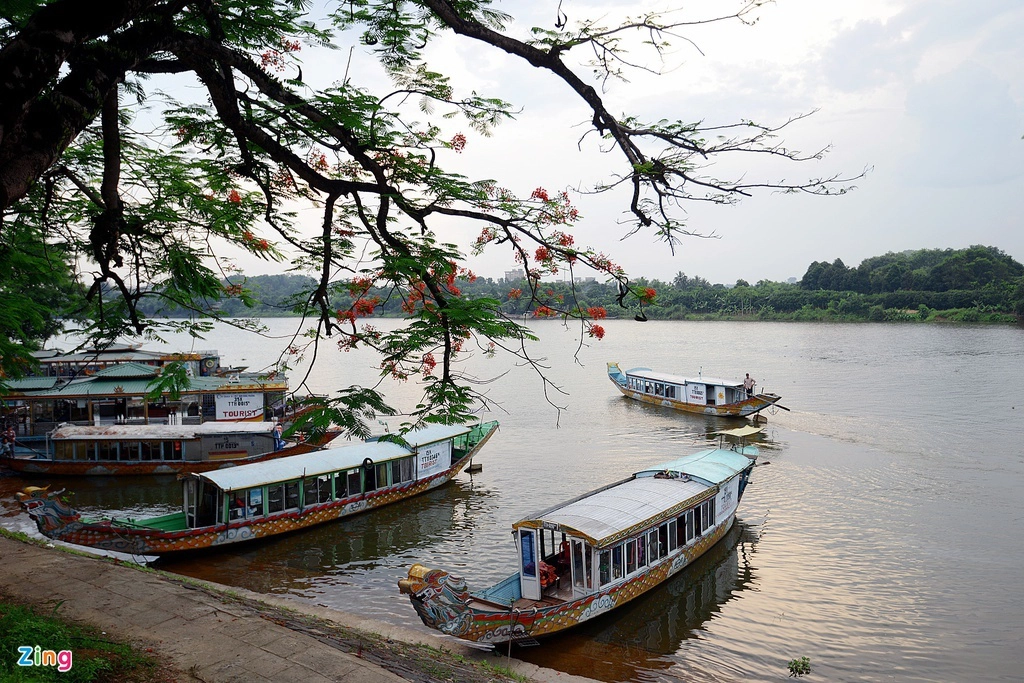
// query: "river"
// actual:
[[882, 536]]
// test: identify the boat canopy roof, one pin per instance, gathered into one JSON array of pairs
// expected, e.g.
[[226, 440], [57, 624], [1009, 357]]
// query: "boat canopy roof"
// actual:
[[326, 461], [714, 466], [648, 374], [433, 433], [612, 513], [157, 431], [742, 432], [615, 512]]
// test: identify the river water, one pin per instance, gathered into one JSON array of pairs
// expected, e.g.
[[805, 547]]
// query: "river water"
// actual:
[[882, 537]]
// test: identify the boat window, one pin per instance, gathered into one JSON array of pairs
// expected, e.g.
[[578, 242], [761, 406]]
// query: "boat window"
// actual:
[[528, 560], [689, 526], [291, 495], [369, 479], [670, 391], [580, 578], [256, 501], [659, 389], [382, 474], [663, 540], [641, 552], [354, 484], [402, 470], [275, 498], [617, 562], [127, 450], [317, 490], [711, 512], [630, 557], [652, 546], [237, 508], [604, 564], [149, 450], [673, 535], [106, 450]]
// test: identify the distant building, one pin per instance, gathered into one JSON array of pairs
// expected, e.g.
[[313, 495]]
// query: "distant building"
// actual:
[[513, 275]]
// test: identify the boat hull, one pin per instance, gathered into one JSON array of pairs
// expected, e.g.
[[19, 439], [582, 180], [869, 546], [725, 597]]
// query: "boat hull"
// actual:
[[463, 616], [750, 406], [108, 468]]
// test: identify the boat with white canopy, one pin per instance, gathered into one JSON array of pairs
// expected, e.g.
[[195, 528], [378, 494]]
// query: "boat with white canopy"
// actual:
[[263, 499], [587, 556], [704, 395]]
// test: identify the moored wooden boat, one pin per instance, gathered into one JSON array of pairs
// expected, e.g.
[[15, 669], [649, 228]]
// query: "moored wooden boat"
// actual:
[[115, 450], [278, 496], [703, 395], [592, 554]]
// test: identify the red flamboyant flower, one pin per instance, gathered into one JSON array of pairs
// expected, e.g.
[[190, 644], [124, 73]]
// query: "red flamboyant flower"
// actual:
[[648, 294], [543, 312], [542, 254], [596, 331], [541, 194], [234, 197], [515, 293], [597, 312], [458, 142]]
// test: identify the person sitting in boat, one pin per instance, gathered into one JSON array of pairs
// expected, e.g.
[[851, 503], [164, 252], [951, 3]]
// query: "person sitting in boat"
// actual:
[[548, 575], [238, 507], [562, 559], [278, 437], [748, 384]]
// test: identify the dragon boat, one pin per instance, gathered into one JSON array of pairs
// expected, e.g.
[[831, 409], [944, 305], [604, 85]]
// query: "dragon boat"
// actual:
[[590, 555], [264, 499]]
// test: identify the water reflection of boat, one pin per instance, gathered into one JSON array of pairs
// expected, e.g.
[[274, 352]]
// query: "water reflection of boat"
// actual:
[[265, 499], [639, 637], [595, 553], [703, 395]]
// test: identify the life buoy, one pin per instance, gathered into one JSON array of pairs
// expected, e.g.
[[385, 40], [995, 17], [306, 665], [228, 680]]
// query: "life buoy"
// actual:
[[367, 464], [209, 363]]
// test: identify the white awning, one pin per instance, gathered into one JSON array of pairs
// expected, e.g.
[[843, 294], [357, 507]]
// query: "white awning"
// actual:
[[609, 512]]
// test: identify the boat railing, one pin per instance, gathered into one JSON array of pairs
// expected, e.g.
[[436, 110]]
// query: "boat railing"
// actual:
[[466, 442]]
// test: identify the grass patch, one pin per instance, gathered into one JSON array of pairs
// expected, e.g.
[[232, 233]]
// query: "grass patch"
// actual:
[[94, 658]]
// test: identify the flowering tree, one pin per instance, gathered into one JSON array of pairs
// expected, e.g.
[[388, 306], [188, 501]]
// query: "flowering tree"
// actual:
[[137, 208]]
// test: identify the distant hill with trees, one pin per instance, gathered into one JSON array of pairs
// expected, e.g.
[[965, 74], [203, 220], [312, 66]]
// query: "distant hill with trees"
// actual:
[[977, 284]]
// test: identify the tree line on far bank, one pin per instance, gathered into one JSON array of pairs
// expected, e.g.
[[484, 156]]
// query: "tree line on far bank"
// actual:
[[977, 284]]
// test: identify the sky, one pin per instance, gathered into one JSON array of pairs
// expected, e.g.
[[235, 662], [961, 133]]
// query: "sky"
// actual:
[[927, 97]]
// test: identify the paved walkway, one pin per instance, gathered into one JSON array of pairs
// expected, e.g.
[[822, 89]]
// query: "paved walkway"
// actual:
[[206, 637]]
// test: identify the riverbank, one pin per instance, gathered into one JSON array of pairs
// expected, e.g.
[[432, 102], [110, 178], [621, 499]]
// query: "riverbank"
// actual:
[[207, 632]]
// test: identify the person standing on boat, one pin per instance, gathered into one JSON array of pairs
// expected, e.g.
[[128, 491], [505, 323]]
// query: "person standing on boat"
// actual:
[[278, 437], [748, 384], [9, 437]]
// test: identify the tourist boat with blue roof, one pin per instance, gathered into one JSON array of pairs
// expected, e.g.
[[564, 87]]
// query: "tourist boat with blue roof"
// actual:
[[588, 556], [249, 502], [703, 395]]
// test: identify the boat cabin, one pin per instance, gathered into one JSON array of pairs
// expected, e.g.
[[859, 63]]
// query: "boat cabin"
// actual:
[[344, 475], [209, 441], [703, 391], [624, 530]]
